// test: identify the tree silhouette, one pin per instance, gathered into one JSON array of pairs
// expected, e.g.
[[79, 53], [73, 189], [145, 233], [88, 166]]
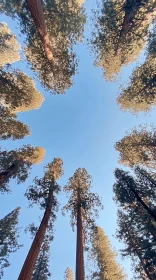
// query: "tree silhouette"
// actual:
[[140, 94], [42, 193], [10, 127], [8, 238], [15, 164], [120, 32], [138, 245], [9, 48], [138, 147], [83, 206], [18, 91], [104, 258]]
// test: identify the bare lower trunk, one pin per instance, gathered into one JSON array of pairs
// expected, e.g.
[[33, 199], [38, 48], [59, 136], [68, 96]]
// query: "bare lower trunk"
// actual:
[[80, 275], [29, 264], [35, 8]]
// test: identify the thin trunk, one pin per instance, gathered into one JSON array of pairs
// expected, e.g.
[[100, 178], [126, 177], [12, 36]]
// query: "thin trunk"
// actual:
[[35, 8], [5, 175], [80, 275], [29, 264], [150, 212]]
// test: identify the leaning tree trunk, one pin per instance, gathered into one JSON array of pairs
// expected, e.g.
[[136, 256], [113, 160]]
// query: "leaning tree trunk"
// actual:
[[29, 264], [150, 212], [80, 275], [35, 8]]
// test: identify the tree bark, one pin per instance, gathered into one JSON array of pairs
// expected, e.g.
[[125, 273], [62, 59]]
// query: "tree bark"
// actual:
[[150, 212], [29, 264], [80, 275], [35, 8]]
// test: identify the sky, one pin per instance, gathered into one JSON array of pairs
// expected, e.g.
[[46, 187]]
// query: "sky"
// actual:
[[81, 127]]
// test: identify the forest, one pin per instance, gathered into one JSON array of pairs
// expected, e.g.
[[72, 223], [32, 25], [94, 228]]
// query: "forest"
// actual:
[[78, 139]]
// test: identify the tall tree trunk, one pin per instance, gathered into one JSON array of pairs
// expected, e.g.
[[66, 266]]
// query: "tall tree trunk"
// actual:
[[150, 212], [80, 275], [5, 175], [35, 8], [29, 264]]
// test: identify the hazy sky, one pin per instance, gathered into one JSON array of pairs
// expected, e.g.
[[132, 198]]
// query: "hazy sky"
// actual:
[[81, 127]]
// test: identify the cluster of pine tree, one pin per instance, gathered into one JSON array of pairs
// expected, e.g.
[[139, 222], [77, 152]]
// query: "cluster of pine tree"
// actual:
[[51, 29]]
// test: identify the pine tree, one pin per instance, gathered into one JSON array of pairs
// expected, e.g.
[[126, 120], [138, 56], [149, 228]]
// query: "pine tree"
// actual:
[[41, 269], [16, 164], [129, 191], [43, 193], [68, 274], [11, 128], [8, 46], [120, 32], [36, 10], [8, 238], [17, 91], [104, 258], [64, 21], [140, 95], [138, 245], [83, 206], [138, 147]]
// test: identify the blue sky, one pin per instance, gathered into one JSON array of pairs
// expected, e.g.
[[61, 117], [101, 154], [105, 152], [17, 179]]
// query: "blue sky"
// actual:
[[81, 127]]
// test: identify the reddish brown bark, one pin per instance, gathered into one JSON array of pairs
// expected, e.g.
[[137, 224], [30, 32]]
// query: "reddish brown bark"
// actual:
[[35, 8], [80, 275], [29, 264]]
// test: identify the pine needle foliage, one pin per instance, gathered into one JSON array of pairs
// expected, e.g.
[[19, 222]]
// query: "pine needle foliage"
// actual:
[[68, 274], [104, 258], [16, 164], [17, 91], [9, 47], [9, 234]]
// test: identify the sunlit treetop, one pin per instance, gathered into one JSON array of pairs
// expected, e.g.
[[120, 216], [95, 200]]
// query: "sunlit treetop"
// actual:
[[120, 33], [10, 127], [9, 48], [140, 95], [68, 274], [138, 147], [103, 258], [17, 91], [78, 191]]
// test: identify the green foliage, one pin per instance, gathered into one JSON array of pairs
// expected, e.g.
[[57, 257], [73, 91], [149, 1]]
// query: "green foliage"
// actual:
[[138, 147], [38, 193], [139, 244], [41, 270], [144, 183], [8, 46], [104, 258], [78, 192], [8, 238], [10, 127], [140, 95], [65, 24], [16, 164], [120, 32], [17, 91], [136, 227], [68, 274]]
